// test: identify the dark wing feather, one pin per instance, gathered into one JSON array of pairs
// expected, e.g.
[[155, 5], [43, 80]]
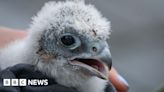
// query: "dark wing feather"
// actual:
[[110, 88]]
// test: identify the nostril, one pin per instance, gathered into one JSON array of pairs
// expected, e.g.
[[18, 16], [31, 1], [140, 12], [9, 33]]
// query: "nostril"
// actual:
[[94, 49]]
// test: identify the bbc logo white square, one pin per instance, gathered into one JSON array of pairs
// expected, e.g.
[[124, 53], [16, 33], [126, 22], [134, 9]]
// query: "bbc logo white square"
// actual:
[[22, 82], [6, 82], [14, 82]]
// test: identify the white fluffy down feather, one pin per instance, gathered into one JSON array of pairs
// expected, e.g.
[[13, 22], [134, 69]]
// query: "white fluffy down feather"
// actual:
[[59, 15]]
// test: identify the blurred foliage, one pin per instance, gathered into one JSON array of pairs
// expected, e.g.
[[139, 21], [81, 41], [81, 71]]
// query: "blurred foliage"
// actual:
[[161, 89]]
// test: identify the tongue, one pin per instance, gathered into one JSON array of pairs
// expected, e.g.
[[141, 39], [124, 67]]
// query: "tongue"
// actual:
[[96, 67], [90, 62]]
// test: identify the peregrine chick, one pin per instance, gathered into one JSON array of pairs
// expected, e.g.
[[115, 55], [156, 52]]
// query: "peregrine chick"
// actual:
[[66, 41]]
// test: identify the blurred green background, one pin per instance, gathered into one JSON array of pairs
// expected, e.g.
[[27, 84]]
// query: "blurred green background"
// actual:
[[136, 43]]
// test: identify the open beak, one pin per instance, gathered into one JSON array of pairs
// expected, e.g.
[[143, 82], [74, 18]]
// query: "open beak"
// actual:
[[98, 65]]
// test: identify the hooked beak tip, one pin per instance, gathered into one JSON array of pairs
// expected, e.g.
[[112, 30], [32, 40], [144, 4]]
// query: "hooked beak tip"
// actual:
[[105, 56]]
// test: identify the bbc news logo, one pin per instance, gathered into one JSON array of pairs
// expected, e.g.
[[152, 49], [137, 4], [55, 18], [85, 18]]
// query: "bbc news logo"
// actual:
[[25, 82]]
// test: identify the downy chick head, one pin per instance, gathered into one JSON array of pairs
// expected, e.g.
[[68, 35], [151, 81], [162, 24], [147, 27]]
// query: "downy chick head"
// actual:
[[69, 42]]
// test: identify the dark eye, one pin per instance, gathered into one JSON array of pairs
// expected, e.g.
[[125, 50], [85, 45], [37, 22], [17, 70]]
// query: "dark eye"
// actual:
[[68, 40]]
